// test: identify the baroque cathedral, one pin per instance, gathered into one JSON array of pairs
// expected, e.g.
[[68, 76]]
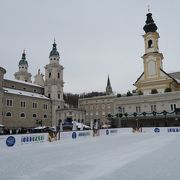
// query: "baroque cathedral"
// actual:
[[27, 105]]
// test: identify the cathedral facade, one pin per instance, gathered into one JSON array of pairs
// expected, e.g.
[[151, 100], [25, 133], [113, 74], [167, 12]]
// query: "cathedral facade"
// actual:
[[26, 105]]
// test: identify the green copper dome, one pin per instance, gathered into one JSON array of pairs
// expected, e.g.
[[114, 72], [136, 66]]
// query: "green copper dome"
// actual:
[[54, 51], [23, 59]]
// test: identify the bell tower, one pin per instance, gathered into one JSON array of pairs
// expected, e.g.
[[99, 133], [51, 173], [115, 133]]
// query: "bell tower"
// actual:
[[54, 82], [23, 74], [152, 59], [154, 78]]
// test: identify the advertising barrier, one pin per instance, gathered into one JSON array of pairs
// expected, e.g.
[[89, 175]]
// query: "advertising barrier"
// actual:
[[18, 140], [9, 141], [115, 131], [75, 135], [161, 130]]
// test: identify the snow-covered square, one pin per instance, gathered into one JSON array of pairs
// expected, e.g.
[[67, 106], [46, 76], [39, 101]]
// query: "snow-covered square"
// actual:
[[137, 156]]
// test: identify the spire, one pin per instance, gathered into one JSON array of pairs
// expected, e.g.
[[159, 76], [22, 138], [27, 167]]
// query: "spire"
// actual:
[[54, 51], [108, 87], [150, 26], [24, 55], [108, 82], [54, 45], [23, 59]]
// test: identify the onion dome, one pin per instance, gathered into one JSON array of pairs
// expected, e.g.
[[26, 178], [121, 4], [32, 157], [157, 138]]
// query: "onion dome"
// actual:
[[54, 51], [150, 26], [23, 59]]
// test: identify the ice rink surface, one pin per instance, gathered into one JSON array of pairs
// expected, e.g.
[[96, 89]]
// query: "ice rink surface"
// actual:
[[118, 157]]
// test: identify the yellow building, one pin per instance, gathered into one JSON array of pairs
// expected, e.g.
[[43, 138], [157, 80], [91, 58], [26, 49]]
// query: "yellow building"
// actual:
[[154, 79]]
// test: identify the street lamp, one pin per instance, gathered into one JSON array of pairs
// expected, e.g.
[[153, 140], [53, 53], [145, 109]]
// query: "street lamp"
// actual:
[[137, 125]]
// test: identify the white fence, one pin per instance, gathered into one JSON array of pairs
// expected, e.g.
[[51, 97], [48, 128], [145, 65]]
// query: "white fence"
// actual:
[[161, 130], [8, 141], [24, 139], [73, 135]]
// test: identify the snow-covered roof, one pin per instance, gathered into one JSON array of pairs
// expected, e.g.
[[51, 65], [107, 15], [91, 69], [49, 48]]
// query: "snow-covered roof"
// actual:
[[175, 75], [24, 93], [178, 80], [23, 82]]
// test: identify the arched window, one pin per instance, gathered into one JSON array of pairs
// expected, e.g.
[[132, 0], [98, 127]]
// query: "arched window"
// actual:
[[49, 75], [34, 116], [45, 116], [22, 115], [58, 75], [150, 43], [8, 114]]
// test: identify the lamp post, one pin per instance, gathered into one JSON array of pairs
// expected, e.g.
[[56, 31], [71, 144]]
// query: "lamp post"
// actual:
[[137, 123]]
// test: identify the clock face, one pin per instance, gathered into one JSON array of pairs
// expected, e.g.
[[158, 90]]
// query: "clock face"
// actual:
[[151, 68]]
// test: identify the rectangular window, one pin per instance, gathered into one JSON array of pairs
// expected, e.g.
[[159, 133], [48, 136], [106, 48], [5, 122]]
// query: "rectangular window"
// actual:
[[34, 105], [45, 106], [58, 96], [23, 104], [153, 108], [138, 109], [173, 107], [9, 102]]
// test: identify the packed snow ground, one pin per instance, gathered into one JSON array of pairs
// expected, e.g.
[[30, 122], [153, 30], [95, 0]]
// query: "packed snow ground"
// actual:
[[125, 157]]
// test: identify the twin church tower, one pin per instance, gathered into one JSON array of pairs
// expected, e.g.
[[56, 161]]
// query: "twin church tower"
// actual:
[[53, 82]]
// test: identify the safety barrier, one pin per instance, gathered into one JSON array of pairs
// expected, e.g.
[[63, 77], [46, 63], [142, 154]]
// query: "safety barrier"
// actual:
[[72, 135], [161, 130], [8, 141], [23, 139]]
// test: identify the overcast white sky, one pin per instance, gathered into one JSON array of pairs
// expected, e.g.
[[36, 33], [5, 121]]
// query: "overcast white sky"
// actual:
[[94, 37]]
